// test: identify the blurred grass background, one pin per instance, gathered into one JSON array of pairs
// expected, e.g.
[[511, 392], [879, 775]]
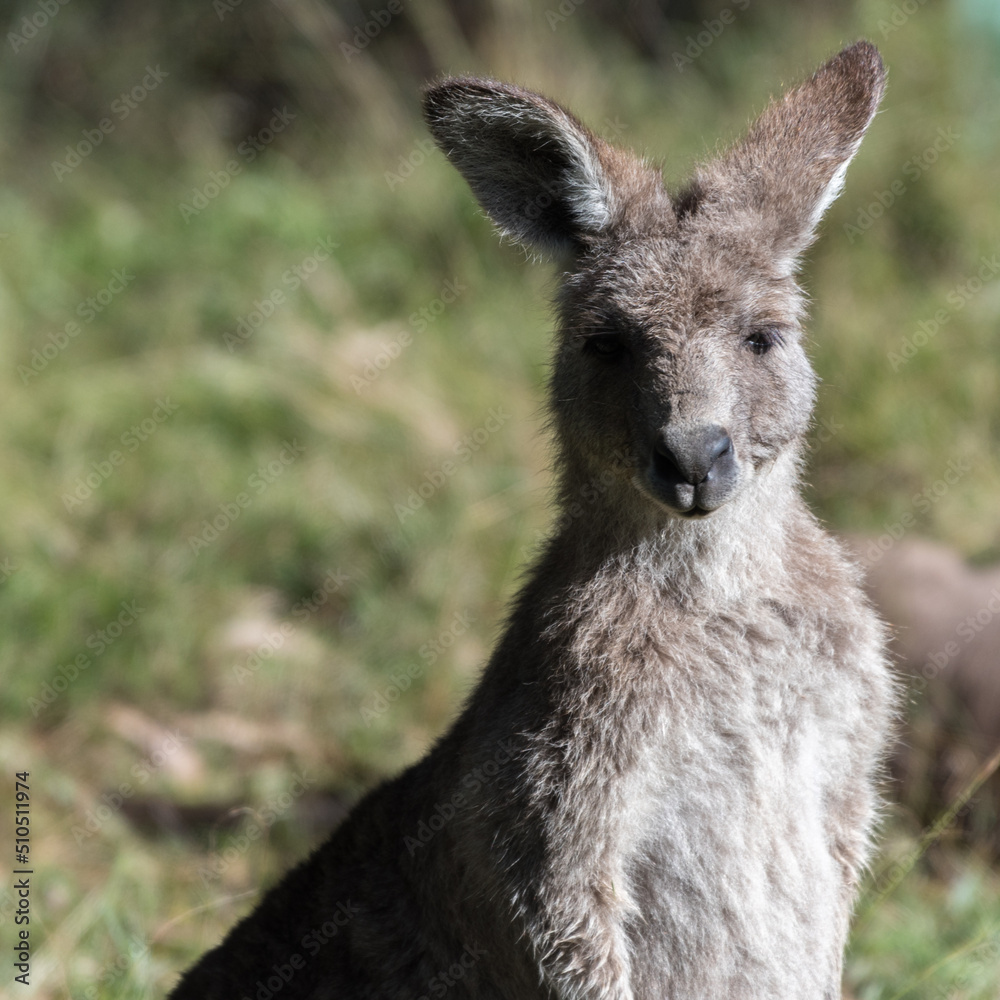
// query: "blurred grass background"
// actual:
[[219, 615]]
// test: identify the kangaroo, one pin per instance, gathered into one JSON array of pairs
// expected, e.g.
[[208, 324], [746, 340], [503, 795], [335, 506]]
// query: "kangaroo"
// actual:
[[665, 783]]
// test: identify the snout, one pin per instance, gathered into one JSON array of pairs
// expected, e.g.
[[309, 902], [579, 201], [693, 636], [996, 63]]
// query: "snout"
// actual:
[[693, 470]]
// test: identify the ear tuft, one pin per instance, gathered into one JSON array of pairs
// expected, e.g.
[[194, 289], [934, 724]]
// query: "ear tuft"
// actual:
[[532, 166]]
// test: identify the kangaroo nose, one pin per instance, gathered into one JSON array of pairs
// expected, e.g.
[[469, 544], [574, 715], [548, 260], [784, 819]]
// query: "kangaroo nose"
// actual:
[[693, 456]]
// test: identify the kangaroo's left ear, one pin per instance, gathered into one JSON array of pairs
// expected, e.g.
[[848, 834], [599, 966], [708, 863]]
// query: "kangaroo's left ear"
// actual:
[[791, 165]]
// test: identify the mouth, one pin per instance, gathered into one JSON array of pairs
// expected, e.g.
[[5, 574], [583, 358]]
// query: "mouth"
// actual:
[[695, 512], [680, 503], [684, 500]]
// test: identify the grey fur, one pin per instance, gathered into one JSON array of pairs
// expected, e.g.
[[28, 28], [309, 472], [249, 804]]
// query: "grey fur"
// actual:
[[665, 783]]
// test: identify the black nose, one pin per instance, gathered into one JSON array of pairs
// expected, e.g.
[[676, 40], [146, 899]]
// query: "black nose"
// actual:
[[693, 456]]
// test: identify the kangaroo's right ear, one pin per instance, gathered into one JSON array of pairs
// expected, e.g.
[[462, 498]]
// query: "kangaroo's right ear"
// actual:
[[533, 167]]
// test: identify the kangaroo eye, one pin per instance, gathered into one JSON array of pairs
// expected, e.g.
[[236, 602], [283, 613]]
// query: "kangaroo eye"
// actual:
[[607, 346], [762, 338]]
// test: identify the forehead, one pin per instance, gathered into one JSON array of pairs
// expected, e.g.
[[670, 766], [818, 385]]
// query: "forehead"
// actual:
[[683, 278]]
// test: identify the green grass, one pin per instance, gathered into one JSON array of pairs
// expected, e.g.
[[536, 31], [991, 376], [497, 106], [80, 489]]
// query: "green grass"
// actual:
[[225, 649]]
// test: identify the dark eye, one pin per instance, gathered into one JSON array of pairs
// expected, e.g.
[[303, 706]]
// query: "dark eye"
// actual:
[[607, 346], [762, 338]]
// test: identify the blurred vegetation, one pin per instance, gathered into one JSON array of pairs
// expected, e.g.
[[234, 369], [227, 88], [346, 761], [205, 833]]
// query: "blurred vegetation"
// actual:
[[210, 583]]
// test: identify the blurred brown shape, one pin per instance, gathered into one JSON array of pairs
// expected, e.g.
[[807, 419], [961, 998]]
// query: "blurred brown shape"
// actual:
[[945, 615]]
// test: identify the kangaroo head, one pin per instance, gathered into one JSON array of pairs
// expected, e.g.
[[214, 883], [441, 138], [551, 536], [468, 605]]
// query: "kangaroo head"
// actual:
[[679, 362]]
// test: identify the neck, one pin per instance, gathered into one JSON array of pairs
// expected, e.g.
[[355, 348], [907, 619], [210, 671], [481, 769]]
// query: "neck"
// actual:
[[621, 538]]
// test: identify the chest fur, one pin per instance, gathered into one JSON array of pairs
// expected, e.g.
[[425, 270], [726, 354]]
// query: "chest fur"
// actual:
[[725, 841]]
